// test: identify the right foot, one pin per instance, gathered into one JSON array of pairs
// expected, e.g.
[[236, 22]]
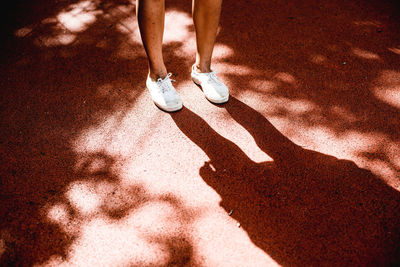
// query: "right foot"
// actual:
[[164, 94]]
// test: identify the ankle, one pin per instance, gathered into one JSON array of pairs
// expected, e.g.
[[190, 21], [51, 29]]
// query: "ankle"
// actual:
[[154, 75], [202, 68]]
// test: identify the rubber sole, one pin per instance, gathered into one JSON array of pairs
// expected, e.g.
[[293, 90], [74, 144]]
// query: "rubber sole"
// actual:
[[220, 101], [172, 109]]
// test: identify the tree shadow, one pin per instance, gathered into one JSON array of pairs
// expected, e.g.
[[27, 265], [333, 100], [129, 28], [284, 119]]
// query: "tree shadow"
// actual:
[[305, 208], [53, 89], [322, 65], [32, 232], [334, 57]]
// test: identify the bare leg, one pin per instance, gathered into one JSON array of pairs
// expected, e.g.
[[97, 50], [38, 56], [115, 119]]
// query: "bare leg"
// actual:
[[206, 15], [151, 14]]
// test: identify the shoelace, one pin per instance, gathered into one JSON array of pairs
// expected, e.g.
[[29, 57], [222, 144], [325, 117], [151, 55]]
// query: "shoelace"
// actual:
[[212, 77], [163, 83]]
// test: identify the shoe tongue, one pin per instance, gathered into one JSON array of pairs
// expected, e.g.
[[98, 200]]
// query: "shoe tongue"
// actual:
[[166, 86]]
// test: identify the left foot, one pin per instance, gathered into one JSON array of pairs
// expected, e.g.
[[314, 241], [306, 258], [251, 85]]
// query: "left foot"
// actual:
[[214, 90]]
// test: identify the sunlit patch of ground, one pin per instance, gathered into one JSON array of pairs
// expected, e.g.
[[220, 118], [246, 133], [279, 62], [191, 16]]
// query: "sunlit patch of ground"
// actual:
[[388, 88], [305, 123], [395, 50]]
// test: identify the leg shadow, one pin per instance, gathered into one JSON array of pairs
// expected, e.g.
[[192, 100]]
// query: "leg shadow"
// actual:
[[305, 208]]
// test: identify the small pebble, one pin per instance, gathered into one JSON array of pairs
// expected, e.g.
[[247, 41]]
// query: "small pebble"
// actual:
[[238, 225], [230, 212]]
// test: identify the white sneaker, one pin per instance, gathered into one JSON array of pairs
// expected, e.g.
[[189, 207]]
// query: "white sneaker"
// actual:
[[214, 90], [164, 94]]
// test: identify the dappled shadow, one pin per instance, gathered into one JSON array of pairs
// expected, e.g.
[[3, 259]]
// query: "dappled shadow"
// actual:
[[49, 94], [67, 66], [322, 65], [305, 208], [107, 222]]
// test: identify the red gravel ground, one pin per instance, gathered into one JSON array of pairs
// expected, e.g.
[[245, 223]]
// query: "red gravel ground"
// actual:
[[300, 168]]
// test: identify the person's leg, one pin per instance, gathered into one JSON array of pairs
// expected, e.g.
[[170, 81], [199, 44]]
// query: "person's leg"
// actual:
[[151, 14], [206, 14]]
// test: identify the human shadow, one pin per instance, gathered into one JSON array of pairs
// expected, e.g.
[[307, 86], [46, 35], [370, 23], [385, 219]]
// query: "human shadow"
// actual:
[[305, 208]]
